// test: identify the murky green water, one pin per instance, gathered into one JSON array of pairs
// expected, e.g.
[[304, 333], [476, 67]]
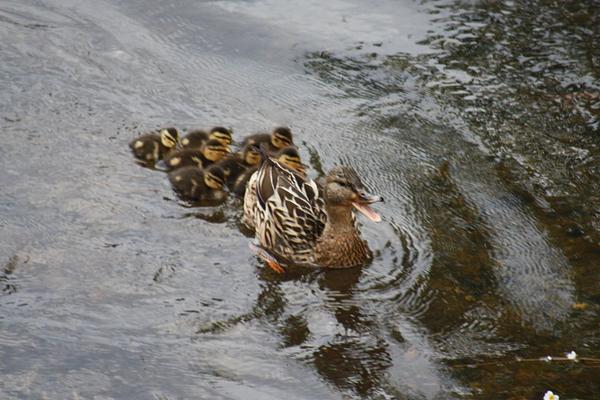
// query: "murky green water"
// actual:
[[476, 121]]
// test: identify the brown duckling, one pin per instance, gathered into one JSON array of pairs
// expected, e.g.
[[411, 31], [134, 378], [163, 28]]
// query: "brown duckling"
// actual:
[[195, 139], [154, 146], [278, 139], [211, 152], [196, 184], [236, 164], [289, 157]]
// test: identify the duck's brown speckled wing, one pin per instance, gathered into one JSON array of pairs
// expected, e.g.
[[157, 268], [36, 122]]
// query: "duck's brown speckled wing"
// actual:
[[272, 175], [290, 213]]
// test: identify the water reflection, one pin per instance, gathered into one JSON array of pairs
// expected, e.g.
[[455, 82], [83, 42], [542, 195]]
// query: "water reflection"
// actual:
[[356, 357], [332, 333], [5, 275]]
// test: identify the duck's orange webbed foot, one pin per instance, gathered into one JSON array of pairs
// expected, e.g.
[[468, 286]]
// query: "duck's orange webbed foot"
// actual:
[[275, 267]]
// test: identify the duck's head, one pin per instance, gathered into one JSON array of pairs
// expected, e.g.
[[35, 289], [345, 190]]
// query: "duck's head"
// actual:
[[169, 137], [214, 177], [214, 150], [290, 157], [221, 134], [343, 188], [281, 137], [251, 155]]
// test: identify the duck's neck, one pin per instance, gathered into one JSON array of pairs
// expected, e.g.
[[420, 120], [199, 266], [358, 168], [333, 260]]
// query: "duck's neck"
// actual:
[[340, 219], [340, 245]]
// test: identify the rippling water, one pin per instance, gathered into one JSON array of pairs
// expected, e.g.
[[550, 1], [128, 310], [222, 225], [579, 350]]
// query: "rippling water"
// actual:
[[476, 121]]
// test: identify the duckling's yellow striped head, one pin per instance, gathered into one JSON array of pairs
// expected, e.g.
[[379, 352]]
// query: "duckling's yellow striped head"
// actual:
[[214, 150], [290, 157], [281, 137], [169, 137], [221, 134], [251, 155], [214, 177]]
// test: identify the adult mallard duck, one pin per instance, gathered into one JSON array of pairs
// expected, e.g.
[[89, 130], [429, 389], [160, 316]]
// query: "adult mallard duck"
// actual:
[[211, 152], [152, 147], [278, 139], [299, 223], [197, 138]]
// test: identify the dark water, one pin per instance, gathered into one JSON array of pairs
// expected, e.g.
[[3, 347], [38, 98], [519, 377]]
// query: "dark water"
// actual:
[[477, 121]]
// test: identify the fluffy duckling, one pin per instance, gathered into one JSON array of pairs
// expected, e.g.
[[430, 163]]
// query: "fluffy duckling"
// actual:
[[196, 184], [211, 152], [278, 139], [195, 139], [289, 157], [154, 146], [236, 164]]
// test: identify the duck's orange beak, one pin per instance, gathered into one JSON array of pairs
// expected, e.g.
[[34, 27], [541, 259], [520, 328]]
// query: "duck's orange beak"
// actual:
[[362, 205]]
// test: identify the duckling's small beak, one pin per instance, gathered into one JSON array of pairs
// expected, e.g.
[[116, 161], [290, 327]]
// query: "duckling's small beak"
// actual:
[[362, 205]]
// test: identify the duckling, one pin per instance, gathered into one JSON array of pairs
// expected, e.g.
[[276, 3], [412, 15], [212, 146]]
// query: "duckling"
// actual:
[[196, 184], [154, 146], [195, 139], [211, 152], [275, 141], [236, 164], [288, 157]]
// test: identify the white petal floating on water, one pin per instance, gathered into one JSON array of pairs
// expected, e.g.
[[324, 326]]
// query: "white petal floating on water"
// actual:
[[550, 396]]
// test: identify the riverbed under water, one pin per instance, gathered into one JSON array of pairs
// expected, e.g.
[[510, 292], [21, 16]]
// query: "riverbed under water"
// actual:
[[478, 122]]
